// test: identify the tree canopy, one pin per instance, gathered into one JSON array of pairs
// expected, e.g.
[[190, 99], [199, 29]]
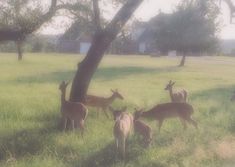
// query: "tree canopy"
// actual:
[[192, 27]]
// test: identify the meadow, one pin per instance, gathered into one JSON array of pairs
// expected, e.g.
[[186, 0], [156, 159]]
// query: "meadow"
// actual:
[[30, 102]]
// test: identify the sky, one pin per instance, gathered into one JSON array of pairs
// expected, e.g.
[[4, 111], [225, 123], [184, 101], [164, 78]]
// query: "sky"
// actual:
[[147, 10]]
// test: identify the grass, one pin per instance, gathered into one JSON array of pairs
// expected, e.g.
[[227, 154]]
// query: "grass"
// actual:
[[30, 101]]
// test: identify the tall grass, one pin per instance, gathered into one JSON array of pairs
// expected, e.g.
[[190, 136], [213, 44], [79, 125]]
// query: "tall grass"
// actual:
[[30, 101]]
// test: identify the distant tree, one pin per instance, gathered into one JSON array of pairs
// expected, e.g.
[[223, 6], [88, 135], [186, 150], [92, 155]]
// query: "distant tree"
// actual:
[[37, 46], [19, 18], [192, 27]]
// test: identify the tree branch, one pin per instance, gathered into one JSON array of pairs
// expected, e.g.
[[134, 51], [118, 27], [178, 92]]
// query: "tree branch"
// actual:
[[42, 19], [96, 15]]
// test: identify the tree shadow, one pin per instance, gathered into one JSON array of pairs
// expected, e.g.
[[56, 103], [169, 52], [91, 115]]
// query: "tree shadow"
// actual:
[[110, 73], [221, 102], [107, 156], [105, 73], [53, 77], [220, 94], [28, 141]]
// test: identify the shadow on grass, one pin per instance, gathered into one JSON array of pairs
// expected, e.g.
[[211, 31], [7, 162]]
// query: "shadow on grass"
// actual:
[[222, 103], [110, 73], [107, 156], [53, 77], [28, 141], [220, 95], [106, 74]]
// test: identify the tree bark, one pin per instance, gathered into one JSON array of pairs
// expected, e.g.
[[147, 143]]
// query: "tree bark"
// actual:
[[19, 50], [182, 62], [101, 41]]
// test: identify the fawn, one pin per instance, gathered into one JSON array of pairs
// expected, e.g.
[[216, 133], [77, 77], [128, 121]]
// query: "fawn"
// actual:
[[74, 111], [102, 102], [180, 96], [163, 111], [122, 128], [142, 128]]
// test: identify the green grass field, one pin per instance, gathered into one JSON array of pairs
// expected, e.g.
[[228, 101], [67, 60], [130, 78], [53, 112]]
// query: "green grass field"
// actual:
[[30, 101]]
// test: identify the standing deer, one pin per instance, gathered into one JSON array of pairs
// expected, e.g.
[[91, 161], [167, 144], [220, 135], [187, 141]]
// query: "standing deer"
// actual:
[[180, 96], [74, 111], [164, 111], [142, 128], [122, 128], [102, 102]]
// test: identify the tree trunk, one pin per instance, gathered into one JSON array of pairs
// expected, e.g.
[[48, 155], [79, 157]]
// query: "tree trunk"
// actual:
[[19, 50], [182, 62], [101, 42]]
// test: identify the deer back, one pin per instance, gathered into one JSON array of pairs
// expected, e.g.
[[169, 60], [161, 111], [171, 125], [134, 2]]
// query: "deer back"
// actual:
[[142, 128], [75, 110], [123, 125], [180, 96], [167, 110], [96, 100]]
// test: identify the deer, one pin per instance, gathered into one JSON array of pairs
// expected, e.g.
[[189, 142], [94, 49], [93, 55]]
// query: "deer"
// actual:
[[122, 128], [103, 102], [180, 96], [164, 111], [142, 128], [74, 111]]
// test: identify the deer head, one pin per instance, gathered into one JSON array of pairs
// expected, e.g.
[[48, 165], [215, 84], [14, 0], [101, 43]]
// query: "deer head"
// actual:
[[169, 85], [116, 94], [63, 85], [138, 113], [117, 113]]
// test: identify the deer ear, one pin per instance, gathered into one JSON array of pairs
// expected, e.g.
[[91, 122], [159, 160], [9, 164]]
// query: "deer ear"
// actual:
[[173, 83], [170, 81], [112, 90]]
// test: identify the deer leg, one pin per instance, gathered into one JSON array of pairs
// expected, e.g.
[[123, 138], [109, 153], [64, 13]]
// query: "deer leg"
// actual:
[[105, 112], [64, 123], [194, 123], [117, 150], [81, 125], [123, 148], [97, 111], [72, 123], [183, 123], [160, 121]]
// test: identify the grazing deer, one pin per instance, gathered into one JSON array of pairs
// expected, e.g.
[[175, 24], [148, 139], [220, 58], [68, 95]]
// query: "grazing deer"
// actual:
[[180, 96], [163, 111], [122, 128], [142, 128], [102, 102], [74, 111]]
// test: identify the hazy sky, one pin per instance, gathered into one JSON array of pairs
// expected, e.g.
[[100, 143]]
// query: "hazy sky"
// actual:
[[150, 8]]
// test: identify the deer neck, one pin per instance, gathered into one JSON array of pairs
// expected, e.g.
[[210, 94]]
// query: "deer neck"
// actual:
[[63, 93], [111, 98], [147, 114], [171, 93]]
